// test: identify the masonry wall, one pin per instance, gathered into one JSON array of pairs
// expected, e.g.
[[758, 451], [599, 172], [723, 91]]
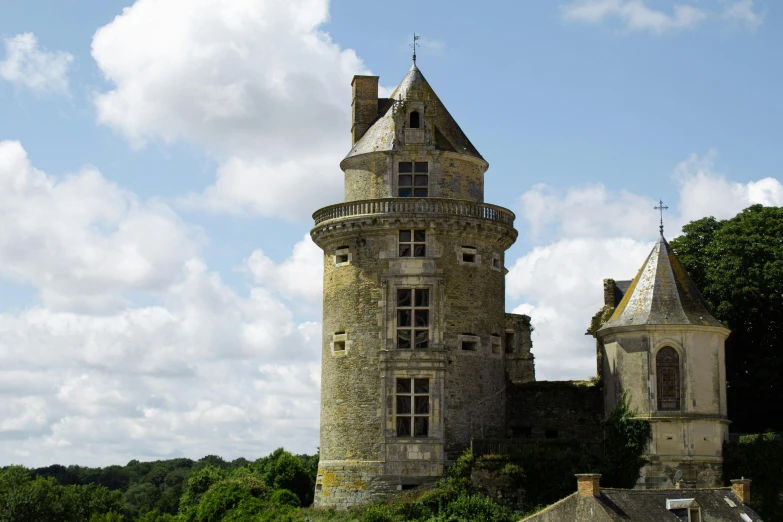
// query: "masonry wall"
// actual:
[[555, 409], [455, 176]]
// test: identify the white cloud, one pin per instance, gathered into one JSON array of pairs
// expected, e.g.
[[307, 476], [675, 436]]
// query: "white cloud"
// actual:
[[255, 82], [634, 15], [82, 240], [562, 287], [743, 11], [598, 234], [586, 211], [29, 66], [705, 192], [202, 369], [299, 276]]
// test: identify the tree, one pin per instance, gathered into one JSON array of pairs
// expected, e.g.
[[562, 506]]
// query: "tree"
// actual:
[[738, 266]]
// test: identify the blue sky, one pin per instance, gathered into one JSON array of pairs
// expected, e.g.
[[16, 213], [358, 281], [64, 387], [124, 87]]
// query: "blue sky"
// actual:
[[159, 162]]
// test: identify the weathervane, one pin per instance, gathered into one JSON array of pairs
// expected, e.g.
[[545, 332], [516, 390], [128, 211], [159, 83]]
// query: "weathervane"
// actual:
[[661, 208], [414, 45]]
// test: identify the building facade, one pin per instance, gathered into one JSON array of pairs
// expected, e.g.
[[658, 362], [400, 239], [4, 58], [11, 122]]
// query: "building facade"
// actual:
[[663, 348], [416, 343]]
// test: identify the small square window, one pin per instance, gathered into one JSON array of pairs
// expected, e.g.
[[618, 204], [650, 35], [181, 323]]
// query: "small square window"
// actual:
[[409, 185], [495, 343], [339, 346], [342, 256], [468, 255], [413, 243], [469, 346]]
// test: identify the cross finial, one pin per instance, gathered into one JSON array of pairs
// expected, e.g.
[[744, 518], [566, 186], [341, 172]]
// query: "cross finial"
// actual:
[[414, 45], [661, 207]]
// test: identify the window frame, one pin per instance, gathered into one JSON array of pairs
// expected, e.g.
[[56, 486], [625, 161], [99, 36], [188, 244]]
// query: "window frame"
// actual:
[[413, 413], [411, 309], [413, 242], [410, 174], [342, 256], [664, 379]]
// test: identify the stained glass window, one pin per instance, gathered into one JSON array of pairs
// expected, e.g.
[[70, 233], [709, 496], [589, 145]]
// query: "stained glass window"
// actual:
[[667, 366]]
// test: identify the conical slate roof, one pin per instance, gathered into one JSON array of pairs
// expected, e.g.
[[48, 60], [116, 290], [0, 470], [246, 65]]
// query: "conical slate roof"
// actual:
[[662, 293], [414, 87]]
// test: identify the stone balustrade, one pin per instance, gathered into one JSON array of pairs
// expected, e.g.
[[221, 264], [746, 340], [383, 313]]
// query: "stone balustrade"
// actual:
[[427, 206]]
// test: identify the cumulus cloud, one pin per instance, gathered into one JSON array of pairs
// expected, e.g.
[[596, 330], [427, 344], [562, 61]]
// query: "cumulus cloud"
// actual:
[[300, 276], [198, 368], [634, 15], [81, 239], [561, 285], [586, 211], [706, 192], [598, 233], [27, 65], [743, 11], [257, 83]]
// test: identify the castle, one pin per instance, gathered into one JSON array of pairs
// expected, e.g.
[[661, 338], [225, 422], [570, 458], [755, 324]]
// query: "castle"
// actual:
[[419, 358]]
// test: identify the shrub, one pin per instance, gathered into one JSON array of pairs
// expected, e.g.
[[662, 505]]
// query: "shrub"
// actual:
[[284, 497], [378, 513]]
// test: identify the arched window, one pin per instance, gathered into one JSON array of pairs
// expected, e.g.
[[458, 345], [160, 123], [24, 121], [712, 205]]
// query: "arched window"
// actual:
[[414, 120], [667, 368]]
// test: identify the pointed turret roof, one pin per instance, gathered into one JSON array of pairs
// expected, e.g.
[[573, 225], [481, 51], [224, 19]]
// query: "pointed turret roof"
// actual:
[[414, 87], [662, 293]]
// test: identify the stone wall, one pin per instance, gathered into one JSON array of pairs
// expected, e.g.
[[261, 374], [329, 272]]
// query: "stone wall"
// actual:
[[555, 409], [451, 175], [517, 344]]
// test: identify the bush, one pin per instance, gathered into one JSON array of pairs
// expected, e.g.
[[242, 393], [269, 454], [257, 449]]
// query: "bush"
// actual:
[[283, 497], [378, 513], [475, 507], [220, 499]]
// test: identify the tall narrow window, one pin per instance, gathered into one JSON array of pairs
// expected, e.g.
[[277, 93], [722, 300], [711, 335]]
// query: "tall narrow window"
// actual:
[[413, 318], [415, 120], [413, 407], [667, 367], [413, 243], [413, 179]]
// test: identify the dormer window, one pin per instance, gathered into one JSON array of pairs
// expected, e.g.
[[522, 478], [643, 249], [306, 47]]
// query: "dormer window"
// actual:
[[413, 179], [415, 120]]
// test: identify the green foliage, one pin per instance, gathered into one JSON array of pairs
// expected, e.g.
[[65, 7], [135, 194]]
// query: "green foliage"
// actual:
[[463, 466], [760, 458], [198, 484], [378, 513], [283, 497], [282, 470], [738, 266], [475, 507], [220, 499], [625, 441]]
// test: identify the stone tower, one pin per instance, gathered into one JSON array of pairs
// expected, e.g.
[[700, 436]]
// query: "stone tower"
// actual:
[[415, 337], [664, 347]]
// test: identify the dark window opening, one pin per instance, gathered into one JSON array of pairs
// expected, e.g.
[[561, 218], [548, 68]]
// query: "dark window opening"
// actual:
[[694, 515], [413, 243], [510, 342], [522, 432], [342, 258], [667, 367], [413, 179], [408, 487], [412, 407], [494, 341], [496, 262], [468, 258], [550, 434], [413, 318], [415, 120], [469, 346], [341, 254], [339, 346]]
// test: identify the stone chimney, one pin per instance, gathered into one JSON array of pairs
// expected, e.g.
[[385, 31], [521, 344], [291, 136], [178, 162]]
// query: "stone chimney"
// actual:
[[742, 488], [364, 106], [588, 484]]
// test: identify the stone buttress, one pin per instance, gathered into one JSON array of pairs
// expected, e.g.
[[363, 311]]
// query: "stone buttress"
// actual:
[[665, 349], [414, 331]]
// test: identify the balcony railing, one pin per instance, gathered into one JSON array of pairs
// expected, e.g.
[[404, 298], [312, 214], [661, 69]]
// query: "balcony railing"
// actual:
[[428, 206]]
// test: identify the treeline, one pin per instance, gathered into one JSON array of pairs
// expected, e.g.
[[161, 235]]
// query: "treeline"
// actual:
[[180, 490]]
